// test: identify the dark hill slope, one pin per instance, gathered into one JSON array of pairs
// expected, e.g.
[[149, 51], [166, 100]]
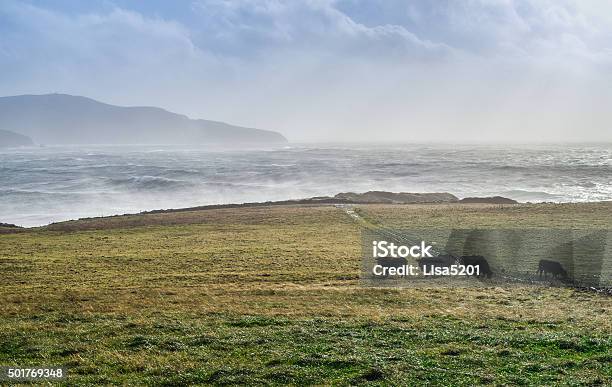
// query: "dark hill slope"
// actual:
[[10, 139], [67, 119]]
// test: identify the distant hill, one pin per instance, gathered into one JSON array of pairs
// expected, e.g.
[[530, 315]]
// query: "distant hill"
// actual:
[[489, 200], [67, 119], [10, 139]]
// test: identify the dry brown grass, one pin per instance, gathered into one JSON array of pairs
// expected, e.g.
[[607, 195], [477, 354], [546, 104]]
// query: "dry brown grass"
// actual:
[[567, 215], [300, 261], [291, 263]]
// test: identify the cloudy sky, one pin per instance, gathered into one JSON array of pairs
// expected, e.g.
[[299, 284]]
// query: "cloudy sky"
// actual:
[[329, 70]]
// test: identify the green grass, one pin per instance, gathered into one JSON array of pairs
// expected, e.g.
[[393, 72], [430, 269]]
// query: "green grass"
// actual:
[[271, 295], [258, 349]]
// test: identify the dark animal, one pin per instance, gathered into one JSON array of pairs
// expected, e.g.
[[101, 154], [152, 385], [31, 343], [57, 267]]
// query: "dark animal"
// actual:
[[546, 266], [480, 262], [438, 261], [391, 262]]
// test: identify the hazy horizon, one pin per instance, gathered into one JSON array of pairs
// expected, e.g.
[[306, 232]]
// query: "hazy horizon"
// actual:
[[359, 142], [330, 70]]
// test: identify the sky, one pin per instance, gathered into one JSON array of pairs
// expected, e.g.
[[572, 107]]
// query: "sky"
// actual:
[[329, 70]]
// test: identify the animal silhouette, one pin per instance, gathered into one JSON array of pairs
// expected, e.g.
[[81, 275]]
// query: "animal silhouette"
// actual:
[[546, 266], [479, 261]]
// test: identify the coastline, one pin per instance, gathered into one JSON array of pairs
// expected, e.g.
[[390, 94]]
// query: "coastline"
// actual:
[[308, 202]]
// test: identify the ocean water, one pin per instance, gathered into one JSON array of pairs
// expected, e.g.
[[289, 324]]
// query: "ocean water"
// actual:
[[43, 185]]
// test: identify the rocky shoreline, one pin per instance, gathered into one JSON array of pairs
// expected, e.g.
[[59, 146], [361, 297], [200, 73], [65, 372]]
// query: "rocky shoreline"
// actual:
[[370, 197]]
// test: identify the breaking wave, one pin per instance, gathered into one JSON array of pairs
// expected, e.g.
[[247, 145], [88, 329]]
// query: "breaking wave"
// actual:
[[41, 185], [148, 183]]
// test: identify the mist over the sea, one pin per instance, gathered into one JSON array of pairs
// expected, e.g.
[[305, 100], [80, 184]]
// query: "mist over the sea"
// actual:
[[42, 185]]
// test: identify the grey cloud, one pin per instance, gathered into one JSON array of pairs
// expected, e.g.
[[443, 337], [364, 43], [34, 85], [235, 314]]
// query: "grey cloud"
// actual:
[[496, 27], [256, 27], [333, 70]]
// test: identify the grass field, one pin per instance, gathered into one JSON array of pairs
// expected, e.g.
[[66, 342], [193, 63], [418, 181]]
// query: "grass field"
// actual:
[[272, 295]]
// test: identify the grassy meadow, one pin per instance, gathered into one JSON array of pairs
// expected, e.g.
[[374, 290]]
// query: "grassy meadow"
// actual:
[[271, 295]]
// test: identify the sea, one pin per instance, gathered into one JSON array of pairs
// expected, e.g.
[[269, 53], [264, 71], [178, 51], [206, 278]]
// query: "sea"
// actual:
[[41, 185]]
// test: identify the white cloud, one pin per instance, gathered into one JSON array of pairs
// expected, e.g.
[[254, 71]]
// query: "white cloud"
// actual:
[[255, 27], [333, 70]]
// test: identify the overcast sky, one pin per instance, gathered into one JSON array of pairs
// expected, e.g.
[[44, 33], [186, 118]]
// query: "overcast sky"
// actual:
[[325, 70]]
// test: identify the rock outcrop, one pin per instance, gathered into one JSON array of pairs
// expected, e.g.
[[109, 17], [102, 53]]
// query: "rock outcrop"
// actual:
[[397, 198], [489, 200]]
